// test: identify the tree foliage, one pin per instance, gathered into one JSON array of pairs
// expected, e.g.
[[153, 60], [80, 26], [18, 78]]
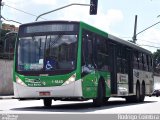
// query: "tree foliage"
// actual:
[[2, 38], [3, 33], [156, 61], [7, 43]]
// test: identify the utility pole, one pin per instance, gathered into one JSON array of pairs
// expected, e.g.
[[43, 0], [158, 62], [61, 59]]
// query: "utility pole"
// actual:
[[134, 38], [0, 19], [0, 14], [135, 30]]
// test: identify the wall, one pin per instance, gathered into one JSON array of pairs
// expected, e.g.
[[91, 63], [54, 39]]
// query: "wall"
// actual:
[[6, 84], [156, 82]]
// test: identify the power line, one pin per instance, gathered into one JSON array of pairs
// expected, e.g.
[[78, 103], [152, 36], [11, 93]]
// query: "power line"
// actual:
[[150, 46], [142, 40], [23, 11], [148, 28], [10, 20], [149, 41]]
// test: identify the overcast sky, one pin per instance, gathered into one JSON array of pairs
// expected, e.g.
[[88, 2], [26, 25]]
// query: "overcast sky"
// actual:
[[114, 16]]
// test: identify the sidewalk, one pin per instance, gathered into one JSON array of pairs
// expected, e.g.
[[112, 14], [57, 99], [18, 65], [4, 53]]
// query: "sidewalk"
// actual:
[[2, 97]]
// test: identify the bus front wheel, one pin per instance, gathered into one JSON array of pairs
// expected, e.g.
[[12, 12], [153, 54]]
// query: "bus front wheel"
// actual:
[[98, 101], [47, 102]]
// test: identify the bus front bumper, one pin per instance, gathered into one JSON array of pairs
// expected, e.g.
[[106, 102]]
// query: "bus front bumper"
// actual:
[[71, 90]]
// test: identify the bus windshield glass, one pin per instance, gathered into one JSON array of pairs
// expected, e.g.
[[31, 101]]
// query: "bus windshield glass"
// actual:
[[47, 52]]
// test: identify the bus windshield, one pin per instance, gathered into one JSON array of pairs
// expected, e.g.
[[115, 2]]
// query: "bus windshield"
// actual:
[[47, 52]]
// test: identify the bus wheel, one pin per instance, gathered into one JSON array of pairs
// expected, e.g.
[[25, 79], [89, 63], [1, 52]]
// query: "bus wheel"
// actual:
[[137, 97], [143, 93], [129, 99], [98, 101], [47, 102], [106, 99]]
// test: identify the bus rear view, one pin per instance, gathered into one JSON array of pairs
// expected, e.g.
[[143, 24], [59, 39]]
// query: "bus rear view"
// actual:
[[45, 64]]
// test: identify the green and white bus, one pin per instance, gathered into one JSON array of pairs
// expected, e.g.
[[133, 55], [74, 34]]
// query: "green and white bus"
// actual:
[[70, 60]]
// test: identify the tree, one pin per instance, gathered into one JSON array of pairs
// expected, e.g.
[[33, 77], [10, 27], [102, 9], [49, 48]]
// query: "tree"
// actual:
[[156, 61], [3, 33], [7, 43]]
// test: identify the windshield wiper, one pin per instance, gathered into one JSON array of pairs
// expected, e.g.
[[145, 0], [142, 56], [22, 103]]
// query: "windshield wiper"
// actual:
[[55, 41]]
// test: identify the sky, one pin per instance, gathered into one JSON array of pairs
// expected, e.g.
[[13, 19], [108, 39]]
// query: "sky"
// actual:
[[115, 17]]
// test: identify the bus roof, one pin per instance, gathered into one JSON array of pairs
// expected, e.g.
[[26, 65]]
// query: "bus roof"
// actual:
[[121, 41], [53, 21], [127, 43]]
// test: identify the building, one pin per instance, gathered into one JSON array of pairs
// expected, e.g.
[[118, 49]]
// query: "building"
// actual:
[[9, 27]]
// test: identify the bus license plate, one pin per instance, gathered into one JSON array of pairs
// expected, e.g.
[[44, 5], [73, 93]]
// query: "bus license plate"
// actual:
[[44, 94]]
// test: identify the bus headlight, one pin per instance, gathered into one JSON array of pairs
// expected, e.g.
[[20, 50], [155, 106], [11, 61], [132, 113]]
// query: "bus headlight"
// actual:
[[19, 81], [70, 80]]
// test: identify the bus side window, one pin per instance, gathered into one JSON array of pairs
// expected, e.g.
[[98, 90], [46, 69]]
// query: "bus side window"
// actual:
[[87, 50], [147, 60], [144, 61], [90, 54], [125, 56], [140, 56], [136, 59], [151, 64], [102, 53], [120, 64], [84, 50]]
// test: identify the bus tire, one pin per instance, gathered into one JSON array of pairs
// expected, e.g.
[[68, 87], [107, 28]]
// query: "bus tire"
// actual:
[[135, 98], [129, 99], [105, 99], [142, 96], [47, 102], [98, 101]]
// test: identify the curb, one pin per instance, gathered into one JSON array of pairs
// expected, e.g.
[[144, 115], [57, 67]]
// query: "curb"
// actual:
[[6, 97]]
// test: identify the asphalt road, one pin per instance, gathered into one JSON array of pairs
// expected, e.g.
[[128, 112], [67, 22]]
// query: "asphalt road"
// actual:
[[113, 106]]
